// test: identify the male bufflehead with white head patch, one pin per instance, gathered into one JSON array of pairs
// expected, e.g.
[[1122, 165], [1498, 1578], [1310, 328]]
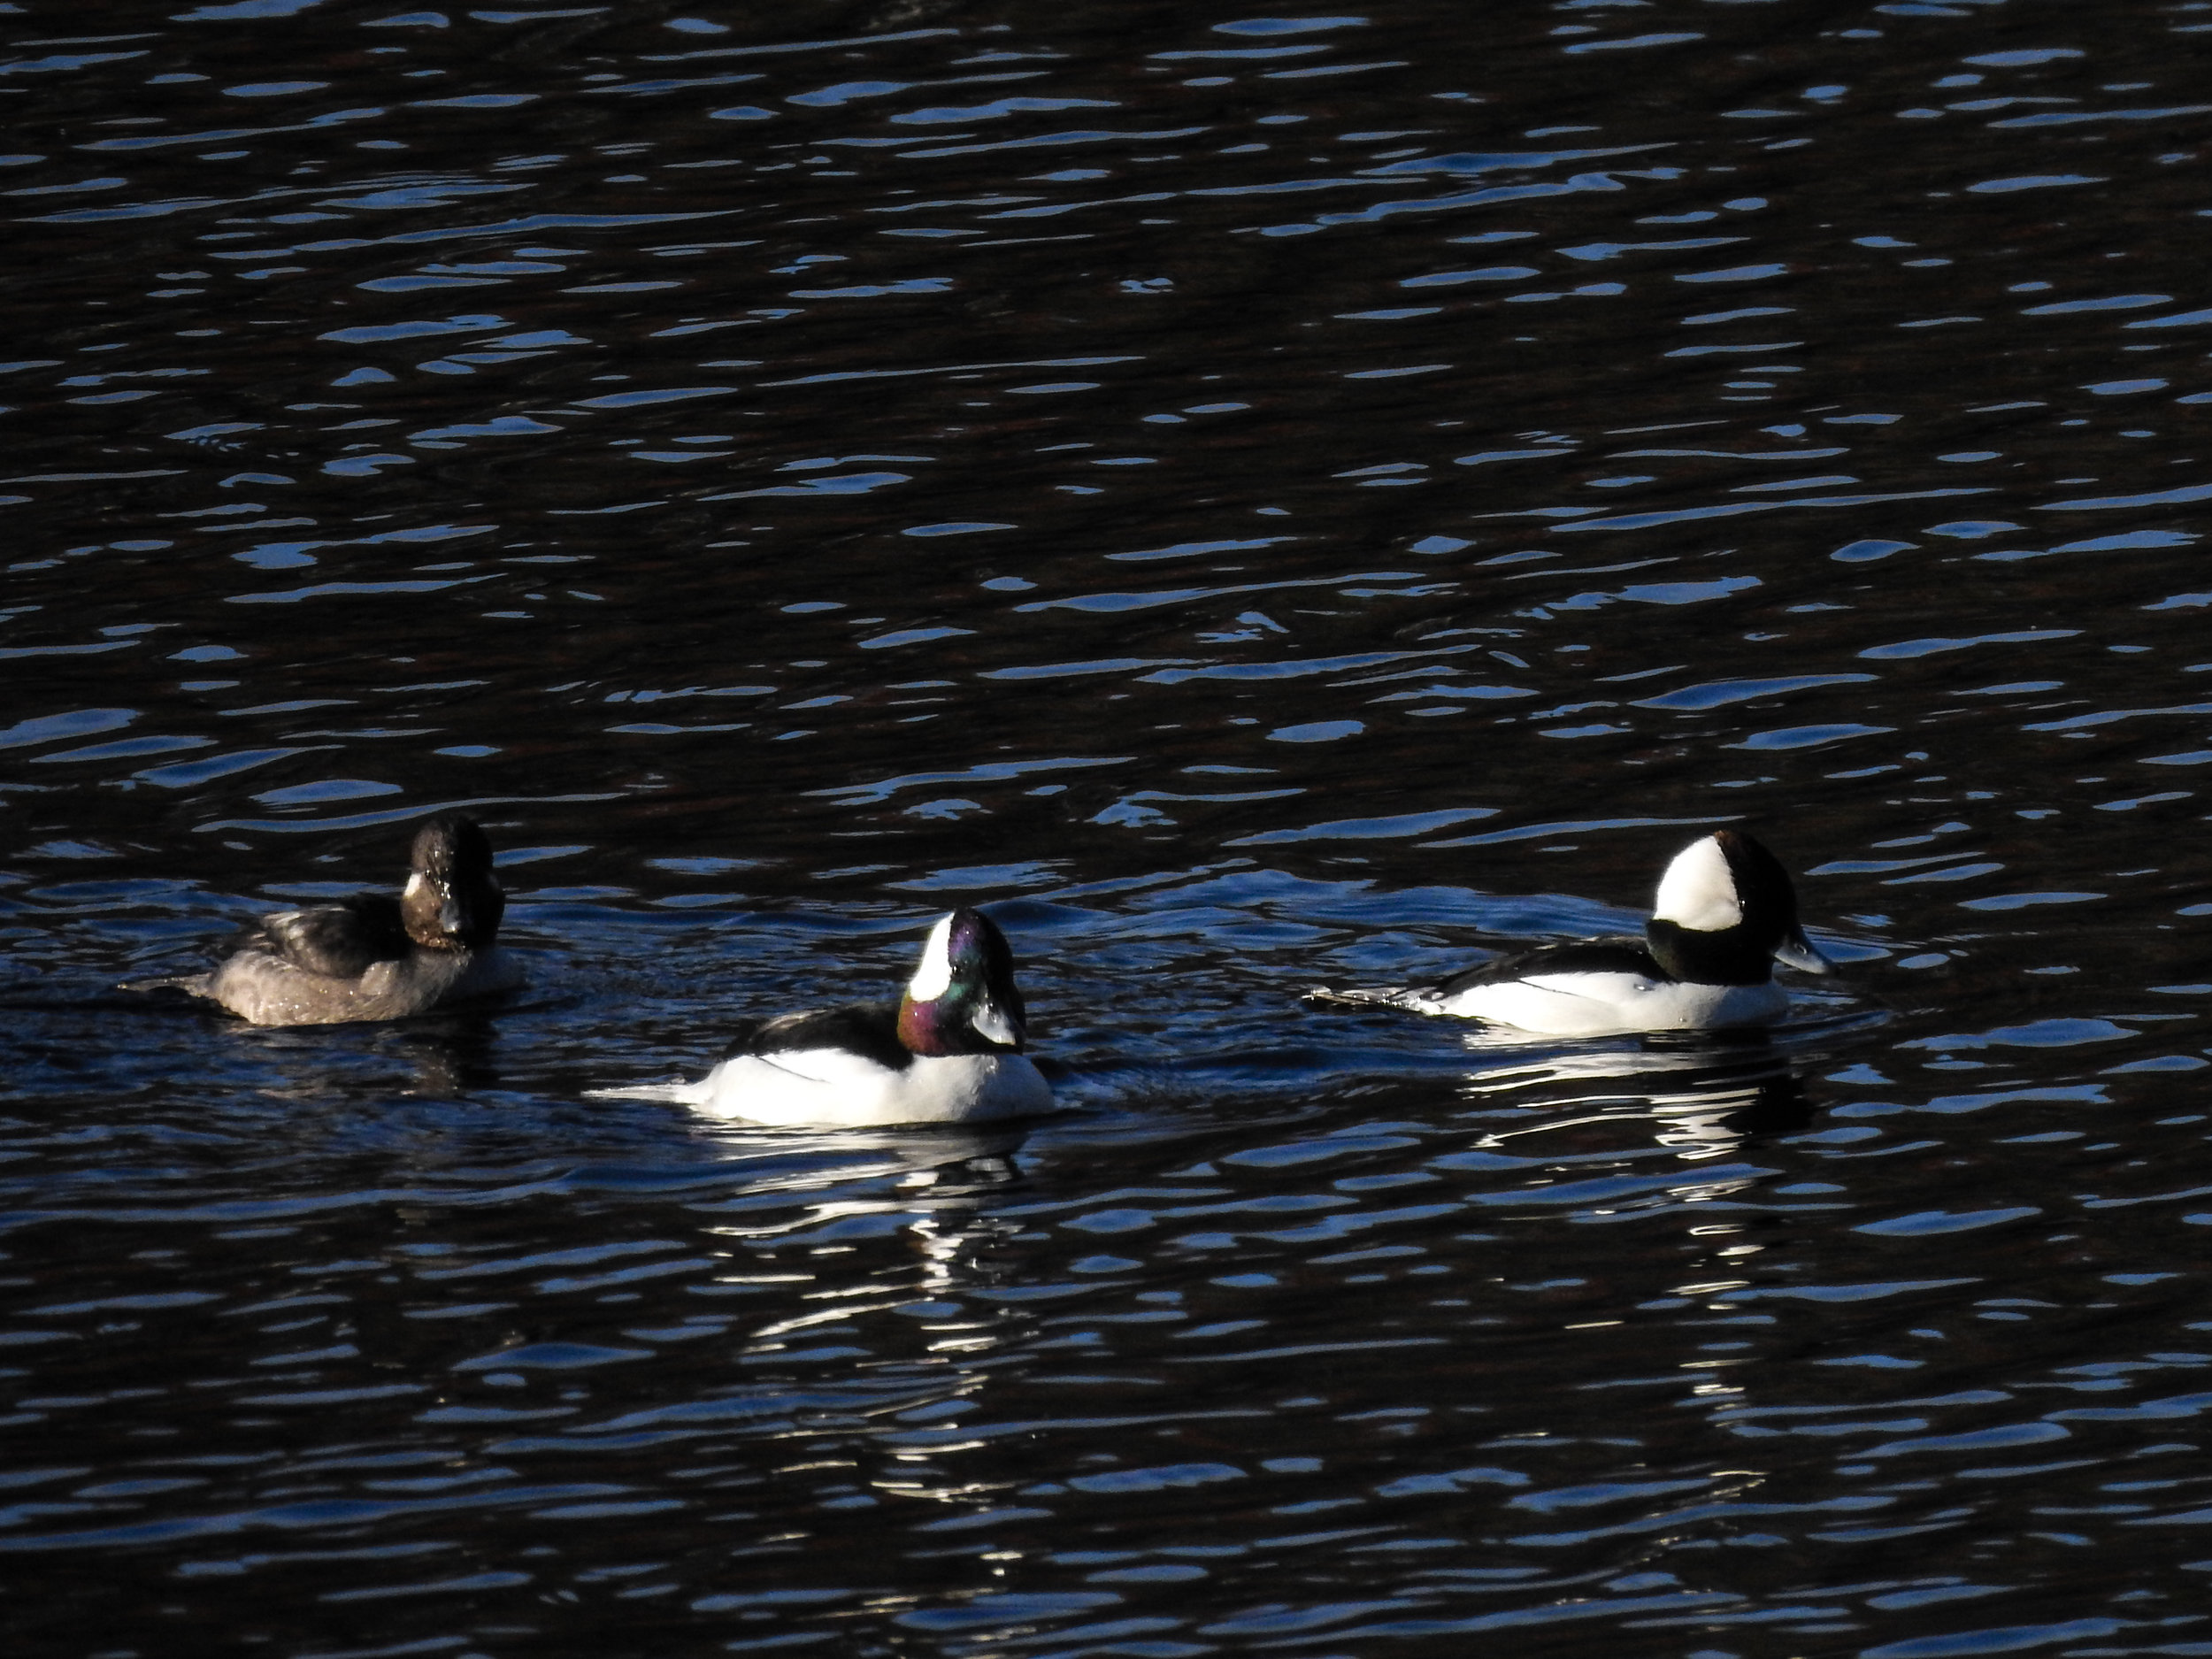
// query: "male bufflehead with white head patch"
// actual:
[[1725, 912], [374, 957], [949, 1051]]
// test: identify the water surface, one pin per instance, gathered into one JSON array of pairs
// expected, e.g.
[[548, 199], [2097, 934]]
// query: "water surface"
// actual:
[[1260, 500]]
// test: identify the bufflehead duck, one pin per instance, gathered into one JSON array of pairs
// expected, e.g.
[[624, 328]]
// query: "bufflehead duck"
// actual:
[[949, 1051], [375, 957], [1725, 911]]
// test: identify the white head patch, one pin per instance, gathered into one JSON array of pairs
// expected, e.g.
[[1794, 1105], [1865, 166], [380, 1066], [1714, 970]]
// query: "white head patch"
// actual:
[[991, 1024], [416, 883], [1699, 890], [933, 978]]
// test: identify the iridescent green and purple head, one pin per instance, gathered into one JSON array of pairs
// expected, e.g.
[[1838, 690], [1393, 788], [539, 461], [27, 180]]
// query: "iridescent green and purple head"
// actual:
[[961, 999]]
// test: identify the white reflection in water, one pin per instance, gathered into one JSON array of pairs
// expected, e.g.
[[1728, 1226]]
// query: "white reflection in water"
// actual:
[[1698, 1100], [1702, 1095], [930, 1187]]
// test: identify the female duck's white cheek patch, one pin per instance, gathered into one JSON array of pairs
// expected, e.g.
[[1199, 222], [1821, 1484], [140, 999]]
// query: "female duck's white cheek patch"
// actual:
[[933, 978], [416, 883], [1699, 890]]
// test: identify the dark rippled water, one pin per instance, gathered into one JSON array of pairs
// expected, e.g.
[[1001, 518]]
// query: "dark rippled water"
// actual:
[[1262, 500]]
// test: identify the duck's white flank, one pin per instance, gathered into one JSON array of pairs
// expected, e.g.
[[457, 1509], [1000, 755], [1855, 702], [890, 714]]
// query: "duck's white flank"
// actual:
[[1594, 1004], [836, 1087]]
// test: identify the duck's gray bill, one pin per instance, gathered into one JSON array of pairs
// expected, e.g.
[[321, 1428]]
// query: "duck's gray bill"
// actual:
[[1797, 952]]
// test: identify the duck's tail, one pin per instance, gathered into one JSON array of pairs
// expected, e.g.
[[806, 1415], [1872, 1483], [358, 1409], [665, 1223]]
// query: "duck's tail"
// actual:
[[673, 1093], [1417, 1000], [190, 984]]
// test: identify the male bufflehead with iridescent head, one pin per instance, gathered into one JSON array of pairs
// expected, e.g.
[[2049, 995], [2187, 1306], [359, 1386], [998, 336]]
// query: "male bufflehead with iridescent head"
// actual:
[[949, 1051], [1725, 912], [374, 957]]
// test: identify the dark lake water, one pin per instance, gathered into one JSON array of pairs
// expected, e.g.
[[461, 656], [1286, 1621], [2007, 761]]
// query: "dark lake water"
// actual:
[[1259, 500]]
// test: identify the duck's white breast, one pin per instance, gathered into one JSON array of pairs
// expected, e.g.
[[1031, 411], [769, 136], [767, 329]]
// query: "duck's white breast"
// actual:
[[836, 1087]]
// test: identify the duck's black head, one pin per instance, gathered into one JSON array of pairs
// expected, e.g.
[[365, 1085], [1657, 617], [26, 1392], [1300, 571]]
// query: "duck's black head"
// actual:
[[963, 999], [1725, 910], [452, 901]]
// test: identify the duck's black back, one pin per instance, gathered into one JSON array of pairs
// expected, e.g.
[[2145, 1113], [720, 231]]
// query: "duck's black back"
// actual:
[[1582, 955], [868, 1029], [343, 941]]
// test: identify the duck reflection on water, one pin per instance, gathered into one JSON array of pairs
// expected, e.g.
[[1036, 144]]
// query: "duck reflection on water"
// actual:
[[1704, 1094], [875, 1219], [944, 1158]]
